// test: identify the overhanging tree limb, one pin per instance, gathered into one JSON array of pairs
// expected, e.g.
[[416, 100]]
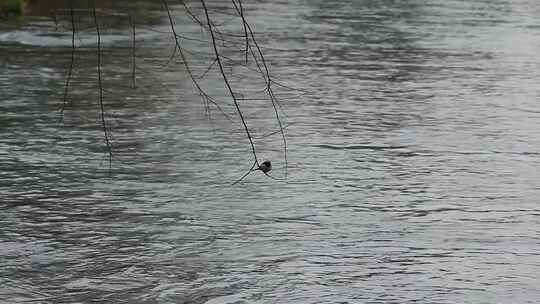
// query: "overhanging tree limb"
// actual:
[[226, 80]]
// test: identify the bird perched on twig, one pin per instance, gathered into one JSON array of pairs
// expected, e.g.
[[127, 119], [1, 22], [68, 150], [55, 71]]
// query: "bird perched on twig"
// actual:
[[266, 166]]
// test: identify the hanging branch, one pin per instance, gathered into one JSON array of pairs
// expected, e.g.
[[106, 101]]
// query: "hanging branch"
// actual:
[[246, 37], [191, 14], [195, 19], [268, 81], [206, 98], [70, 70], [55, 19], [133, 48], [243, 49], [225, 79], [100, 84]]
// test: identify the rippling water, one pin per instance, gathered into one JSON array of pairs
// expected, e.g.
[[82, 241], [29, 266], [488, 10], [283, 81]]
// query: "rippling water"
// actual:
[[413, 164]]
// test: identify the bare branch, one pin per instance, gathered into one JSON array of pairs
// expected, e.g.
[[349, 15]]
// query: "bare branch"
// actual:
[[70, 70], [252, 169], [100, 84], [268, 84], [206, 98], [245, 30], [225, 79], [133, 49]]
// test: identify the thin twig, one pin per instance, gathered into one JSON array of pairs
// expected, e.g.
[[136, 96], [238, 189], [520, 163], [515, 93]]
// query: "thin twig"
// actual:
[[70, 70], [133, 49], [272, 133], [55, 19], [253, 169], [269, 82], [100, 84], [225, 79], [206, 98], [208, 69], [191, 14], [245, 30], [246, 174]]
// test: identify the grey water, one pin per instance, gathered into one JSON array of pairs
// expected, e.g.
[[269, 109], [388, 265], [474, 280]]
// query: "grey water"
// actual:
[[413, 160]]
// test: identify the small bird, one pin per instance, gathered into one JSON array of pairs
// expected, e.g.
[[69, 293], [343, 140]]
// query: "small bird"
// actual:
[[266, 166]]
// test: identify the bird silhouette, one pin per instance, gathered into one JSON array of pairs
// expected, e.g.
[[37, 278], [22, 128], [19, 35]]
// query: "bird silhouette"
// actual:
[[266, 166]]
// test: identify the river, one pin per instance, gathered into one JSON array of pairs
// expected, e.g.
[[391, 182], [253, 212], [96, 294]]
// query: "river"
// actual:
[[413, 153]]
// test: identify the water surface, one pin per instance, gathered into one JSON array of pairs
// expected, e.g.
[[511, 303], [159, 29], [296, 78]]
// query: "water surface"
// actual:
[[412, 174]]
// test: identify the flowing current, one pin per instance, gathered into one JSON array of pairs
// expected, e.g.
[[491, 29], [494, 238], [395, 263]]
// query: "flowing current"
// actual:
[[413, 160]]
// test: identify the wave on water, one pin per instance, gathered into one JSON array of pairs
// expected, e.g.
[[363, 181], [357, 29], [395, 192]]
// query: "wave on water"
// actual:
[[359, 147], [63, 39]]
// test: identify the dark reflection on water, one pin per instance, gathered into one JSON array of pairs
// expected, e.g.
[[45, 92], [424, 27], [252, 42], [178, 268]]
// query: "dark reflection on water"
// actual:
[[413, 165]]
